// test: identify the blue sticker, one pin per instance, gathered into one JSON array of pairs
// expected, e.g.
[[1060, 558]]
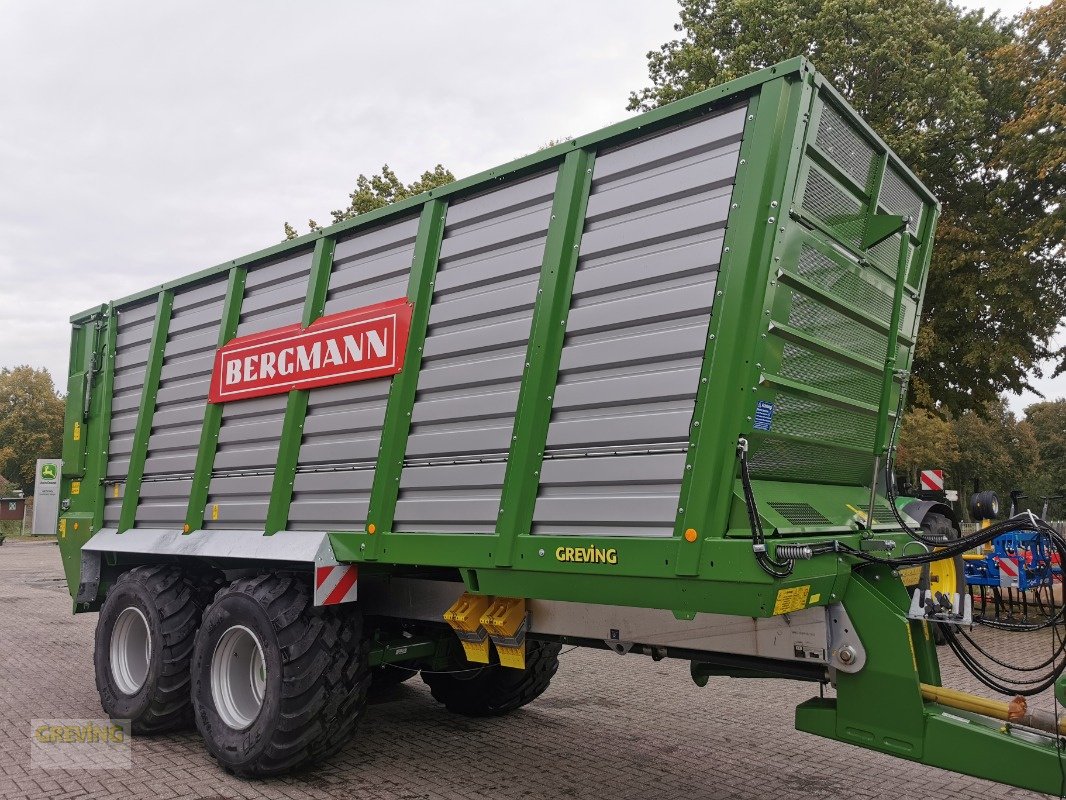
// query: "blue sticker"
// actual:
[[764, 415]]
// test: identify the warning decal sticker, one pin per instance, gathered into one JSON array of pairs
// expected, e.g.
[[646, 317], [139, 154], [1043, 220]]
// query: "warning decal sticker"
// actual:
[[790, 600], [764, 416]]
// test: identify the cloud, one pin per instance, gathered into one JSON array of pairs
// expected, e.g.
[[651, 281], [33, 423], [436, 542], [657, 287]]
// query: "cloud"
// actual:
[[142, 142]]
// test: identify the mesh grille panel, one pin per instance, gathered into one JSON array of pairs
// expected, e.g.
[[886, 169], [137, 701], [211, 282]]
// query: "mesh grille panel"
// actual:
[[887, 254], [839, 141], [777, 459], [799, 513], [810, 419], [883, 513], [821, 372], [833, 206], [900, 199], [812, 317], [827, 274]]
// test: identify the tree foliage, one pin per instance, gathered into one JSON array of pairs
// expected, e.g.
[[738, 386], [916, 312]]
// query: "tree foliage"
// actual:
[[1048, 423], [1034, 134], [959, 96], [997, 450], [31, 423], [380, 190], [991, 448], [926, 441]]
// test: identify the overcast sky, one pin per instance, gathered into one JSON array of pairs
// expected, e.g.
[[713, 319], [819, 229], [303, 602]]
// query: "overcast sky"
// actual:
[[143, 141]]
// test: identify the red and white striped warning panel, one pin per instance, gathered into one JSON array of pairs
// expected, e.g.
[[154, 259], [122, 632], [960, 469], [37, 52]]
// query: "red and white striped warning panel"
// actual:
[[335, 584], [1008, 572], [932, 480]]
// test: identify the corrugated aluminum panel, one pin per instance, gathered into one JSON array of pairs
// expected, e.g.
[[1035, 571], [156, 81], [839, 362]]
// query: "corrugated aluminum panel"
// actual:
[[182, 396], [248, 439], [479, 325], [163, 503], [132, 343], [637, 331], [344, 422], [331, 500], [627, 495], [186, 376]]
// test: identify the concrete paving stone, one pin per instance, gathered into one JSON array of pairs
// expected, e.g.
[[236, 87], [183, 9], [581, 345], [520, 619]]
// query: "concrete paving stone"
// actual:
[[608, 727]]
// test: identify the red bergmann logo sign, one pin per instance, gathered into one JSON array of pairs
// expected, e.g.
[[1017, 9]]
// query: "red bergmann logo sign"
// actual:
[[353, 345]]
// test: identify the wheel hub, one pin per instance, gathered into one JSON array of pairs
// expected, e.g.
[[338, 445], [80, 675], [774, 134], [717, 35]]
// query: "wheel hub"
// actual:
[[131, 651], [238, 677]]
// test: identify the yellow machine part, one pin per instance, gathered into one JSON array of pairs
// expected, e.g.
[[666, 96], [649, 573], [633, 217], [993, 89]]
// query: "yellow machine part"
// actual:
[[505, 621], [1015, 711], [464, 617], [943, 577]]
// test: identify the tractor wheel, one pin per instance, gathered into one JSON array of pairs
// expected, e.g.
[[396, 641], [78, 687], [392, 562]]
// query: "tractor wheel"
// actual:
[[493, 690], [948, 575], [144, 642], [277, 683]]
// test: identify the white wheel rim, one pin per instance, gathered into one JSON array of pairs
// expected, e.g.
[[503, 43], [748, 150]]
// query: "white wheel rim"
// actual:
[[238, 677], [131, 651]]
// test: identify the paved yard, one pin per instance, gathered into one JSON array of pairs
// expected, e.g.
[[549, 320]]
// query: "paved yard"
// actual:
[[609, 727]]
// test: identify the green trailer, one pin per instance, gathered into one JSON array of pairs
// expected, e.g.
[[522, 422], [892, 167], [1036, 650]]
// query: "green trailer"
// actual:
[[633, 392]]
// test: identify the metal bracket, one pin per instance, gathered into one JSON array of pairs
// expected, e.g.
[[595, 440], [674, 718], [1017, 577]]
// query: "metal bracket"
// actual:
[[89, 583], [846, 652], [880, 227], [944, 609]]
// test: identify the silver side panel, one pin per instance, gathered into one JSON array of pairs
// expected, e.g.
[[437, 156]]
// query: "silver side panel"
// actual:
[[305, 548], [793, 637], [181, 401], [637, 331], [343, 424], [163, 503], [251, 429], [132, 343], [479, 325], [246, 545]]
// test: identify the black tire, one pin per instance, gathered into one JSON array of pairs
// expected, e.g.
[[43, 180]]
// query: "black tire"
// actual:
[[494, 690], [316, 676], [166, 601], [208, 584], [385, 677], [937, 526], [984, 505]]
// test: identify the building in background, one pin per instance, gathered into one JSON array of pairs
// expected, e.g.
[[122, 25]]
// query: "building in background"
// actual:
[[12, 501]]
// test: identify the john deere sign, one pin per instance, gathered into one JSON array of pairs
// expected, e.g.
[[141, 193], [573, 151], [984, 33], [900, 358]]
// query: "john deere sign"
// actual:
[[46, 496]]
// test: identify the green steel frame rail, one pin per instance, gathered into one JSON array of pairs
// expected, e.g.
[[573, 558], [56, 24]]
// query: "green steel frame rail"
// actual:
[[205, 454], [881, 708], [132, 494], [673, 572], [541, 373], [397, 424], [277, 516], [775, 132], [668, 572], [99, 440]]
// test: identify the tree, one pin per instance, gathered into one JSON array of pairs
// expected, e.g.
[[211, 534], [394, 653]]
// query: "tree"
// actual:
[[31, 423], [926, 441], [1033, 141], [1048, 423], [380, 190], [939, 85], [997, 450]]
